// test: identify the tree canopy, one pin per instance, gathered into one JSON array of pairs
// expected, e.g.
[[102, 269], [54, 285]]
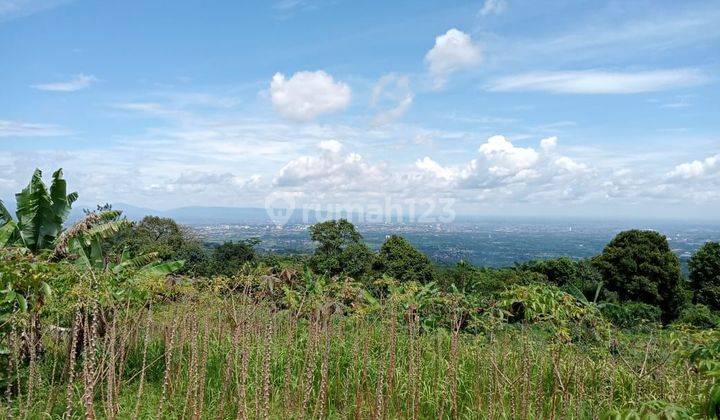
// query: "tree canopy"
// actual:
[[340, 248], [704, 268], [639, 266], [399, 259]]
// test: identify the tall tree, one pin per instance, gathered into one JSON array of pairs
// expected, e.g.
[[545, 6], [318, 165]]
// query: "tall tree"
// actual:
[[340, 249], [399, 259], [704, 268], [639, 266]]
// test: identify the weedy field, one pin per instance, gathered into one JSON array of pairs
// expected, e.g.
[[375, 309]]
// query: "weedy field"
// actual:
[[232, 357]]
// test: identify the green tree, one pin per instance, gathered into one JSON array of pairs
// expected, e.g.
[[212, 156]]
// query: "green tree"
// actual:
[[399, 259], [704, 268], [169, 241], [156, 234], [41, 213], [639, 266], [339, 250], [229, 257], [357, 260]]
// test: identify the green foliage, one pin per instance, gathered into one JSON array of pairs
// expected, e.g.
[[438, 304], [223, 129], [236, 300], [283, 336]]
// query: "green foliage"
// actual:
[[167, 240], [660, 410], [698, 315], [630, 314], [399, 259], [40, 213], [639, 266], [704, 268], [702, 350], [542, 303], [155, 234], [357, 260], [24, 281], [340, 249], [566, 272], [229, 257], [483, 281]]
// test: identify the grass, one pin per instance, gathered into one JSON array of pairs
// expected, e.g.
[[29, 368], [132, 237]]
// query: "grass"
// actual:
[[225, 358]]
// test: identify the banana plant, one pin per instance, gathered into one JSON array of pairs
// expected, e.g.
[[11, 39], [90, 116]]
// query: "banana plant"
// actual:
[[83, 244], [40, 213]]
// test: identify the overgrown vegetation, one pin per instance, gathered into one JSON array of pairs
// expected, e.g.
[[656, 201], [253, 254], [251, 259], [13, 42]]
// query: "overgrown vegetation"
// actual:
[[109, 318]]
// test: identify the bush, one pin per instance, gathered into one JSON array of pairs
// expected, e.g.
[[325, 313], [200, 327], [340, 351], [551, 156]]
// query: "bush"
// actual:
[[228, 258], [630, 314], [566, 272], [574, 319], [484, 281], [698, 315]]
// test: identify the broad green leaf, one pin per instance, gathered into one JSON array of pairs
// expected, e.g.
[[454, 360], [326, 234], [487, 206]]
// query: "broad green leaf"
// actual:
[[22, 302], [8, 233], [160, 269], [45, 288], [5, 216], [37, 222]]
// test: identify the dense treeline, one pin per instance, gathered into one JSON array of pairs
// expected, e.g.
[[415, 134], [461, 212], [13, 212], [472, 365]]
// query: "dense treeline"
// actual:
[[143, 319]]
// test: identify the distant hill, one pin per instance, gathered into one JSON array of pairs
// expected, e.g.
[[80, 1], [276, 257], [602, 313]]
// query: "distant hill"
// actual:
[[200, 215]]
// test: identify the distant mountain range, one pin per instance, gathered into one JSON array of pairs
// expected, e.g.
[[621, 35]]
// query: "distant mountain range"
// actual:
[[196, 214]]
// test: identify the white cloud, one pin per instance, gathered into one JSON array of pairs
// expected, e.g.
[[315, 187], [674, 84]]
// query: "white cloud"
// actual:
[[493, 7], [599, 82], [330, 173], [503, 171], [80, 81], [23, 129], [332, 146], [696, 168], [391, 93], [429, 165], [453, 51], [307, 95], [507, 159], [549, 143]]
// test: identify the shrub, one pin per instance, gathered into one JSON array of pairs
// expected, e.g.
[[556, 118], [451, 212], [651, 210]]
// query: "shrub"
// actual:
[[575, 319], [630, 314], [698, 315], [566, 272]]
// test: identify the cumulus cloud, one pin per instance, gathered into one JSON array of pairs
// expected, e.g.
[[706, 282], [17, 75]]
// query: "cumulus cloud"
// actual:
[[78, 82], [307, 95], [429, 165], [332, 146], [696, 168], [599, 82], [453, 51], [493, 7], [505, 170], [328, 172], [393, 95]]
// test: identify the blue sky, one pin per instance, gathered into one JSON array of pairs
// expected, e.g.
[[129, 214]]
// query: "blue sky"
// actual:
[[569, 108]]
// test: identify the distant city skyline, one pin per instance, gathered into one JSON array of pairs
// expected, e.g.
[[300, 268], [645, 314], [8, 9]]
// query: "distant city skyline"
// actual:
[[502, 107]]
